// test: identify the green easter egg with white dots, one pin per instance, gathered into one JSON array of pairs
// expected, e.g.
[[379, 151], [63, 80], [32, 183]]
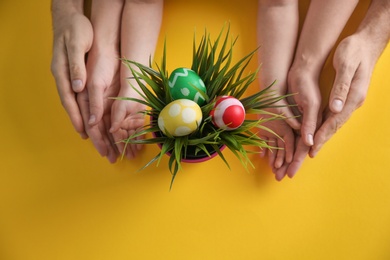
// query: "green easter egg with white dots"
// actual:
[[186, 84]]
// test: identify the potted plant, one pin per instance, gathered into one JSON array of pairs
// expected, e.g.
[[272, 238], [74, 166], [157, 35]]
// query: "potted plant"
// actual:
[[210, 97]]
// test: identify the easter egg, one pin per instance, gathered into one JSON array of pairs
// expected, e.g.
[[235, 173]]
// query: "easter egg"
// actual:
[[228, 113], [180, 117], [186, 84]]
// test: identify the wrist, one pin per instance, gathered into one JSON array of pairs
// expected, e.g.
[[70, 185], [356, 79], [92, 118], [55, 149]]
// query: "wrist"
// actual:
[[308, 65], [368, 45], [59, 7]]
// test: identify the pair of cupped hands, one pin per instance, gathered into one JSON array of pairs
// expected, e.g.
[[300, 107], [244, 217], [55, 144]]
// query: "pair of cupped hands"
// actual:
[[309, 122], [88, 72]]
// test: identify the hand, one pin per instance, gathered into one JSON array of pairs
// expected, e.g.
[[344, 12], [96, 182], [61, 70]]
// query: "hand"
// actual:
[[103, 83], [126, 120], [300, 153], [303, 84], [284, 145], [72, 40], [306, 96], [354, 61], [138, 46]]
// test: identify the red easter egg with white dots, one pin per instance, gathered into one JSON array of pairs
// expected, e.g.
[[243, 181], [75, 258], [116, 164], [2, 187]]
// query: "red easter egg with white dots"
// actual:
[[228, 113]]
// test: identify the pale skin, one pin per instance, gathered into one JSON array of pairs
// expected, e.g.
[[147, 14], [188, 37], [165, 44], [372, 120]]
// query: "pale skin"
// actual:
[[87, 98], [316, 40], [103, 76], [354, 61], [323, 24], [140, 36], [73, 37], [276, 56]]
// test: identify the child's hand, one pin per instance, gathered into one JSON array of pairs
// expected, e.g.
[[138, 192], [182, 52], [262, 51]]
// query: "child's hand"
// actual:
[[126, 119], [284, 145]]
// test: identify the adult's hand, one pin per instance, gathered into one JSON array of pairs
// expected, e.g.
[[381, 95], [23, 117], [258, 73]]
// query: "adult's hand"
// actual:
[[354, 61], [73, 37], [103, 76]]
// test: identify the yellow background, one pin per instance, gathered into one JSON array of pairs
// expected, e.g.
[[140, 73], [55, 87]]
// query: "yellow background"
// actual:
[[60, 200]]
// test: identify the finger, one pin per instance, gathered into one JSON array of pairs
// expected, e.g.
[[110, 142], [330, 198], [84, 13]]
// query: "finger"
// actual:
[[334, 122], [289, 144], [280, 154], [139, 146], [113, 152], [263, 151], [281, 172], [328, 129], [134, 148], [60, 71], [96, 102], [77, 68], [309, 123], [272, 152], [117, 117], [130, 148], [340, 89], [299, 156], [92, 131], [119, 137], [291, 119]]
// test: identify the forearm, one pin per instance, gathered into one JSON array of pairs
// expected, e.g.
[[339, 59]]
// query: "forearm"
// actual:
[[375, 27], [141, 22], [67, 6], [106, 18], [277, 30], [323, 24]]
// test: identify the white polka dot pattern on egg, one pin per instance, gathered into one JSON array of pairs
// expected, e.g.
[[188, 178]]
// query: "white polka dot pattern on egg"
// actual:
[[182, 131], [186, 102], [188, 115], [160, 123], [185, 91], [174, 110]]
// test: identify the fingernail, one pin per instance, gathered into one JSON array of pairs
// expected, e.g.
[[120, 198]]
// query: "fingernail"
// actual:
[[309, 139], [92, 119], [337, 105], [77, 85]]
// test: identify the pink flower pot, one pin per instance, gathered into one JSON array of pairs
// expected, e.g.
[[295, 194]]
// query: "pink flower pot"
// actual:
[[191, 157]]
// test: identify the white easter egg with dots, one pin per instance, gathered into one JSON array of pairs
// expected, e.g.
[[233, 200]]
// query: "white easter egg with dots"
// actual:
[[180, 117]]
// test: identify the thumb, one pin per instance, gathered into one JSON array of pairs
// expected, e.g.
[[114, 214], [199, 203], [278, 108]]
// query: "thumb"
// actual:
[[77, 68], [340, 90]]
